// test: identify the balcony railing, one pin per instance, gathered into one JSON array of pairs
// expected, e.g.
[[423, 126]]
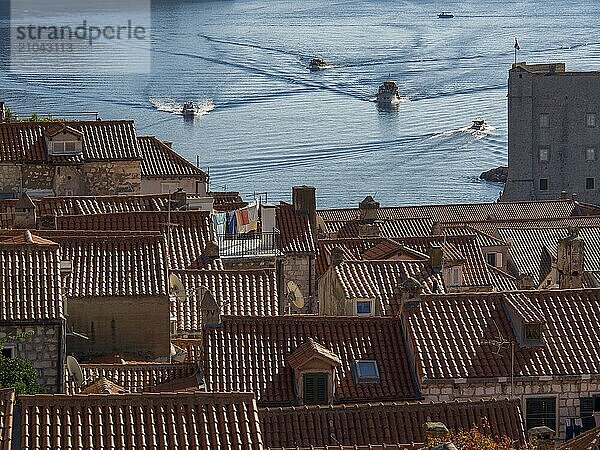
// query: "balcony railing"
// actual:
[[251, 244]]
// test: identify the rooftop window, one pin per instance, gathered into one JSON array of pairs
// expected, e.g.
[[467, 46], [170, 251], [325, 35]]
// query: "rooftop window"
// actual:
[[315, 388], [543, 184], [533, 334], [364, 307], [590, 183], [366, 371]]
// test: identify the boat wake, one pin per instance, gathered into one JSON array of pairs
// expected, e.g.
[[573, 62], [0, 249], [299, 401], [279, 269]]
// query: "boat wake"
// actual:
[[478, 134], [172, 106]]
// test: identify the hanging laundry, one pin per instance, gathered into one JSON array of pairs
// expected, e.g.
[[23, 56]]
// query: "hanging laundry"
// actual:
[[241, 217], [220, 220], [231, 223], [253, 216]]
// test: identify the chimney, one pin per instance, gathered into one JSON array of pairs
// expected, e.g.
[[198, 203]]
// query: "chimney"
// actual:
[[168, 143], [564, 195], [368, 230], [544, 436], [211, 250], [367, 210], [304, 199], [337, 256], [211, 311], [569, 263], [525, 282], [25, 212], [410, 294], [574, 196], [436, 256], [178, 199], [436, 229], [435, 433]]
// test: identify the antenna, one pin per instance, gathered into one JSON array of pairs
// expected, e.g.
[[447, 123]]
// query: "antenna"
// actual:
[[501, 342], [74, 369], [294, 296], [176, 287]]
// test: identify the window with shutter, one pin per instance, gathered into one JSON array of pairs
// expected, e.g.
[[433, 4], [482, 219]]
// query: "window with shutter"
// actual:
[[540, 411], [315, 388], [588, 406]]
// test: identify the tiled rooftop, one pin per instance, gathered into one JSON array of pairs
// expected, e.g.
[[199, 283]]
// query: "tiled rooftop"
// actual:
[[7, 402], [383, 423], [251, 354], [466, 323], [141, 421], [590, 440], [133, 377], [466, 212], [386, 227], [102, 140], [295, 231], [72, 206], [240, 292], [31, 281], [190, 231], [159, 160]]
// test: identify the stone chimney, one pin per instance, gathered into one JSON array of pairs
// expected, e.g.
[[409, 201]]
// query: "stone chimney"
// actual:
[[525, 282], [408, 295], [168, 143], [436, 229], [211, 311], [367, 210], [436, 257], [569, 264], [337, 256], [544, 436], [368, 230], [304, 199], [574, 196], [25, 212], [564, 195]]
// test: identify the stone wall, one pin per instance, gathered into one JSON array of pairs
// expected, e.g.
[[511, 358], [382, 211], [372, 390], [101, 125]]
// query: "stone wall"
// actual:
[[68, 180], [112, 178], [137, 326], [10, 178], [332, 298], [190, 185], [567, 392], [42, 349], [38, 176], [301, 270]]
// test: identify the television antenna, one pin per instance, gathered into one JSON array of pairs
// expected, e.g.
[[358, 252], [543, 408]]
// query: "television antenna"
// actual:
[[293, 296], [500, 342], [74, 369]]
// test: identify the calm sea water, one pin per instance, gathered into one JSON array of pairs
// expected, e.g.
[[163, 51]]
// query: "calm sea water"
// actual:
[[270, 123]]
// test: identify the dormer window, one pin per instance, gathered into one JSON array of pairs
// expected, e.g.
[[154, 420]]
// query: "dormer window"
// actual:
[[364, 307], [453, 276], [315, 388], [532, 334], [366, 371], [63, 140]]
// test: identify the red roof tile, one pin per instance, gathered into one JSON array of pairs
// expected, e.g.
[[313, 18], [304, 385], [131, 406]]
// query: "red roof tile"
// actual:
[[141, 421], [72, 206], [30, 286], [7, 403], [470, 321], [590, 440], [240, 292], [383, 423], [160, 160], [295, 231], [102, 140], [250, 353], [133, 377], [386, 228]]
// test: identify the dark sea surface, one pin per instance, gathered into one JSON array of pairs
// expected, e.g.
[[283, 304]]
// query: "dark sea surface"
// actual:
[[270, 123]]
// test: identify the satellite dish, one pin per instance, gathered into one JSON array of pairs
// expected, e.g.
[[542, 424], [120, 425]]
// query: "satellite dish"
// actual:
[[178, 354], [74, 370], [294, 296], [177, 288], [321, 224]]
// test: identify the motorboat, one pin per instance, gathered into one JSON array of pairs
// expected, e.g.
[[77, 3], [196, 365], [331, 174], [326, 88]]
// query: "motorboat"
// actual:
[[317, 64], [445, 15], [190, 109], [388, 94], [479, 124]]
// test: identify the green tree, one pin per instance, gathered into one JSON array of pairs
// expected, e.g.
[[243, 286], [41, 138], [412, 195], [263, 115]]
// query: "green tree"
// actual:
[[18, 373]]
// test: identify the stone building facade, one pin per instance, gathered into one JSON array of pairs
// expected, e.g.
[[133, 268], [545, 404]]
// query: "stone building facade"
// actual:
[[553, 133]]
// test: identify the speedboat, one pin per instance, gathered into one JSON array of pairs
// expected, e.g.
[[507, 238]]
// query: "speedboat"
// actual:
[[388, 95], [445, 15], [317, 64], [190, 109], [479, 124]]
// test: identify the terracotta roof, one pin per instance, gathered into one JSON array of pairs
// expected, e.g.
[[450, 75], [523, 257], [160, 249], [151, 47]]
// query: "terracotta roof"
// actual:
[[250, 353], [501, 280], [356, 447], [103, 386], [352, 250], [383, 423], [295, 231], [30, 286], [491, 226], [189, 233], [160, 160], [134, 377], [466, 212], [192, 346], [590, 440], [380, 279], [7, 403], [310, 350], [420, 226], [102, 140], [104, 264], [240, 292], [224, 198], [470, 321], [141, 421], [71, 206]]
